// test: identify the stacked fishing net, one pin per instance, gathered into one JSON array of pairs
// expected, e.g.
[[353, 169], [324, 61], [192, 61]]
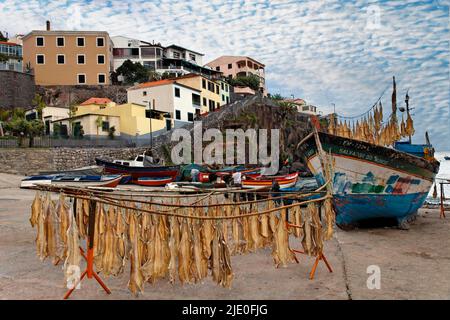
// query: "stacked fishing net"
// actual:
[[176, 243]]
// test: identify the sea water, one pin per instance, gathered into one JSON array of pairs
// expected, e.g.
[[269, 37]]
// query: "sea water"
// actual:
[[442, 176]]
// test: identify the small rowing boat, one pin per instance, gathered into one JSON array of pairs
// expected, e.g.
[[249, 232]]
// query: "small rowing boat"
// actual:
[[153, 181], [110, 181], [286, 181]]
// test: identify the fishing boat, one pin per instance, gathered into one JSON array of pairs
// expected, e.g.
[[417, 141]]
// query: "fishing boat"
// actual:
[[109, 181], [286, 181], [153, 181], [369, 181], [138, 171], [33, 181]]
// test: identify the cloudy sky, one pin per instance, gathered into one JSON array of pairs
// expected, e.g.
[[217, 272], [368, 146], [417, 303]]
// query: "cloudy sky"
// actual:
[[327, 52]]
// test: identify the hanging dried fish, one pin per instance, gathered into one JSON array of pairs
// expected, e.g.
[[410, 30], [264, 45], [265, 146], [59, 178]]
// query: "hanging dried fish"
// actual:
[[174, 243], [136, 282], [281, 252], [41, 238], [223, 273], [36, 208], [297, 221], [330, 218], [199, 266], [99, 236], [72, 262], [316, 225], [51, 231], [235, 230], [64, 211], [185, 254]]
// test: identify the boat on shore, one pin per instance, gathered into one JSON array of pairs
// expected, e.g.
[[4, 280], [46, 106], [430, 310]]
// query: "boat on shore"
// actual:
[[108, 181], [286, 181], [138, 171], [369, 181], [153, 181]]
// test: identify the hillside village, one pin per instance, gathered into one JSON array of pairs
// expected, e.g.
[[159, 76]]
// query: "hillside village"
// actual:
[[90, 85]]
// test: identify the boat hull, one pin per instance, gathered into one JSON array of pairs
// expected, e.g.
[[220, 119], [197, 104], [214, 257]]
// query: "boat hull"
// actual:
[[138, 172], [150, 182], [369, 181], [284, 182], [106, 183]]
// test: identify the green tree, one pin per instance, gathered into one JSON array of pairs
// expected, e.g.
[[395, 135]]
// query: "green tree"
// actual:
[[132, 72], [153, 75], [3, 58], [72, 113], [39, 103], [2, 37], [277, 97], [252, 81], [99, 122], [5, 114]]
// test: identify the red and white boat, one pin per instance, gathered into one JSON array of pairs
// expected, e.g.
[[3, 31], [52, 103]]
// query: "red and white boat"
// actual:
[[153, 181], [286, 181]]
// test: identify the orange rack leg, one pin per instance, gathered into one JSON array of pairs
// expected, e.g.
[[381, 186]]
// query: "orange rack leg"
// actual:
[[316, 263]]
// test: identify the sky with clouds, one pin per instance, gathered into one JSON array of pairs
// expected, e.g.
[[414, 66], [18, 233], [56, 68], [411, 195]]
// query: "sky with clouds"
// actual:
[[327, 52]]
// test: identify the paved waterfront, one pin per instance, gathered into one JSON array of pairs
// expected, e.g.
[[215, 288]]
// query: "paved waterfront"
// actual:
[[414, 264]]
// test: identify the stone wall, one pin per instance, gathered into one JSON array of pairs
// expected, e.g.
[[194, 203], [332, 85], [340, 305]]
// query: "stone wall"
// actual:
[[63, 96], [28, 161], [16, 89]]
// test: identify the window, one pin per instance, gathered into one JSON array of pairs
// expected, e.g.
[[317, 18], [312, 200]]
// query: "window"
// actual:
[[101, 78], [81, 59], [60, 59], [228, 100], [222, 86], [176, 55], [212, 105], [192, 56], [218, 105], [39, 41], [40, 59], [100, 42], [210, 86], [177, 92], [60, 41], [80, 41], [230, 66], [105, 126], [190, 116], [218, 68], [178, 114], [204, 102], [217, 89], [196, 99], [81, 78], [144, 93], [203, 83], [223, 97], [135, 51], [100, 59]]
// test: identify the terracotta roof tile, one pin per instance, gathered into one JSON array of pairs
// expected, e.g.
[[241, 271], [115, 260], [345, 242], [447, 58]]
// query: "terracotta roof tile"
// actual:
[[96, 101]]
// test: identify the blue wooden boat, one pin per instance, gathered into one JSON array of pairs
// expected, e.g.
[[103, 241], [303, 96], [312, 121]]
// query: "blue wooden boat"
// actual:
[[370, 181]]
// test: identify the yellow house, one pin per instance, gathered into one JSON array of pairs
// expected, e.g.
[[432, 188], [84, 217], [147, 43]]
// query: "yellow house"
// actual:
[[210, 90], [129, 119]]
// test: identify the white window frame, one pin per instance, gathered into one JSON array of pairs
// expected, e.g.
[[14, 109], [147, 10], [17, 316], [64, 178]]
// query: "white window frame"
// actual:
[[104, 59], [43, 41], [81, 54], [40, 54], [104, 42], [84, 42], [78, 79], [64, 40], [99, 74], [60, 54]]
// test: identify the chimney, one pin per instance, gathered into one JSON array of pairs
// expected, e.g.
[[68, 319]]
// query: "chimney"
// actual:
[[48, 25]]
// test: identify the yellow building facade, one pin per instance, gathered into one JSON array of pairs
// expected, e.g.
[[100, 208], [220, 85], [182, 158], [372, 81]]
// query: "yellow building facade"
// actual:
[[133, 120]]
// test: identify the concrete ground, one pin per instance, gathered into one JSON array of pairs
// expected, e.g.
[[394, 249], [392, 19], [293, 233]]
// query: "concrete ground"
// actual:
[[413, 264]]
